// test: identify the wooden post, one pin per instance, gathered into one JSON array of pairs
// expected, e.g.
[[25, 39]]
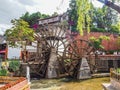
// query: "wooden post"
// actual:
[[28, 73], [111, 70]]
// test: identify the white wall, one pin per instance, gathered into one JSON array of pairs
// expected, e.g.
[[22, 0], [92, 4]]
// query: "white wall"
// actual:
[[14, 53]]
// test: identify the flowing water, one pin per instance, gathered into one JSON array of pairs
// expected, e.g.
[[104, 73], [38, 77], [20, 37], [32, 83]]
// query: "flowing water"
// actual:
[[48, 84], [68, 84]]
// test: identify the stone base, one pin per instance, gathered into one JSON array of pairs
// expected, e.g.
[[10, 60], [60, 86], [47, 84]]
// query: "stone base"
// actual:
[[84, 70], [53, 64], [115, 83]]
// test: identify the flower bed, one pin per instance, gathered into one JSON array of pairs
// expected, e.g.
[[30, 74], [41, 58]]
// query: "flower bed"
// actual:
[[14, 83]]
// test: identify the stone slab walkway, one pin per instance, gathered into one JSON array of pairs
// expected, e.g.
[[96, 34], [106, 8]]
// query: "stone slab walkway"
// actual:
[[107, 86]]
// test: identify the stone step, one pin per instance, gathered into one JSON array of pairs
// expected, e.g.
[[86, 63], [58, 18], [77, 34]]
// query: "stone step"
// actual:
[[101, 75], [108, 86]]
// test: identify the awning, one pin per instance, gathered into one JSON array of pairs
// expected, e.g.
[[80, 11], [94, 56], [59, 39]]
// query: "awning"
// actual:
[[2, 51]]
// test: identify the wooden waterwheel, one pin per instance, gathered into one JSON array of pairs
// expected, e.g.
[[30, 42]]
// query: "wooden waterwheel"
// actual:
[[50, 46], [74, 52]]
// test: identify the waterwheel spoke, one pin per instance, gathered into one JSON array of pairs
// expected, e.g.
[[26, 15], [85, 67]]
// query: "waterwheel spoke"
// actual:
[[55, 44], [76, 46], [63, 43], [55, 35], [48, 37]]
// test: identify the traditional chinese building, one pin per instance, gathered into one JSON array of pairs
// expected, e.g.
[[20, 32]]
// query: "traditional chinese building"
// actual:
[[54, 20]]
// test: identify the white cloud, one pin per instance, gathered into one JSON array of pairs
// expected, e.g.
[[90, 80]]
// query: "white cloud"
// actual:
[[97, 3], [48, 7], [27, 2], [3, 28], [11, 9]]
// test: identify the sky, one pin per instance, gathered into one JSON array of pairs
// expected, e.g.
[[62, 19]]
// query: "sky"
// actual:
[[11, 9]]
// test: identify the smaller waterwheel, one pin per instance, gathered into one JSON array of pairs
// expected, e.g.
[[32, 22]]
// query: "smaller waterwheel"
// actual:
[[74, 53], [50, 47]]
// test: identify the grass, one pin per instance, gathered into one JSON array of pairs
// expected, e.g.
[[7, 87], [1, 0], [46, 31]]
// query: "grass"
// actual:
[[90, 84], [63, 84]]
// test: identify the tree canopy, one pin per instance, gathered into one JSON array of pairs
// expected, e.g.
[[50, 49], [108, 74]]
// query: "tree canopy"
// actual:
[[103, 18], [97, 42], [83, 8], [32, 18], [73, 16], [19, 32], [79, 15], [84, 16]]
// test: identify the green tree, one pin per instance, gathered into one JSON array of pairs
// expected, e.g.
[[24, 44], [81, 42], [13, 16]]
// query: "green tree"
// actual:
[[55, 14], [73, 16], [19, 32], [98, 17], [83, 22], [97, 42], [33, 18], [118, 42], [115, 28], [26, 17], [103, 18], [79, 15]]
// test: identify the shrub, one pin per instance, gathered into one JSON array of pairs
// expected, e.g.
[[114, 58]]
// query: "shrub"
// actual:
[[14, 65], [93, 29], [3, 72], [118, 70]]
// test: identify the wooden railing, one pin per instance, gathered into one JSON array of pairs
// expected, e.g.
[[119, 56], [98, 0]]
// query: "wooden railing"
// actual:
[[109, 57]]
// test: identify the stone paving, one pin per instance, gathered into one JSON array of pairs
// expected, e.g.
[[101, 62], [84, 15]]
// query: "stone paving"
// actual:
[[107, 86]]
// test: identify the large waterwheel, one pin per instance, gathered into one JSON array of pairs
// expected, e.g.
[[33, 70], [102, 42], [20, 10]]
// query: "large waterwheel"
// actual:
[[51, 42], [76, 58]]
